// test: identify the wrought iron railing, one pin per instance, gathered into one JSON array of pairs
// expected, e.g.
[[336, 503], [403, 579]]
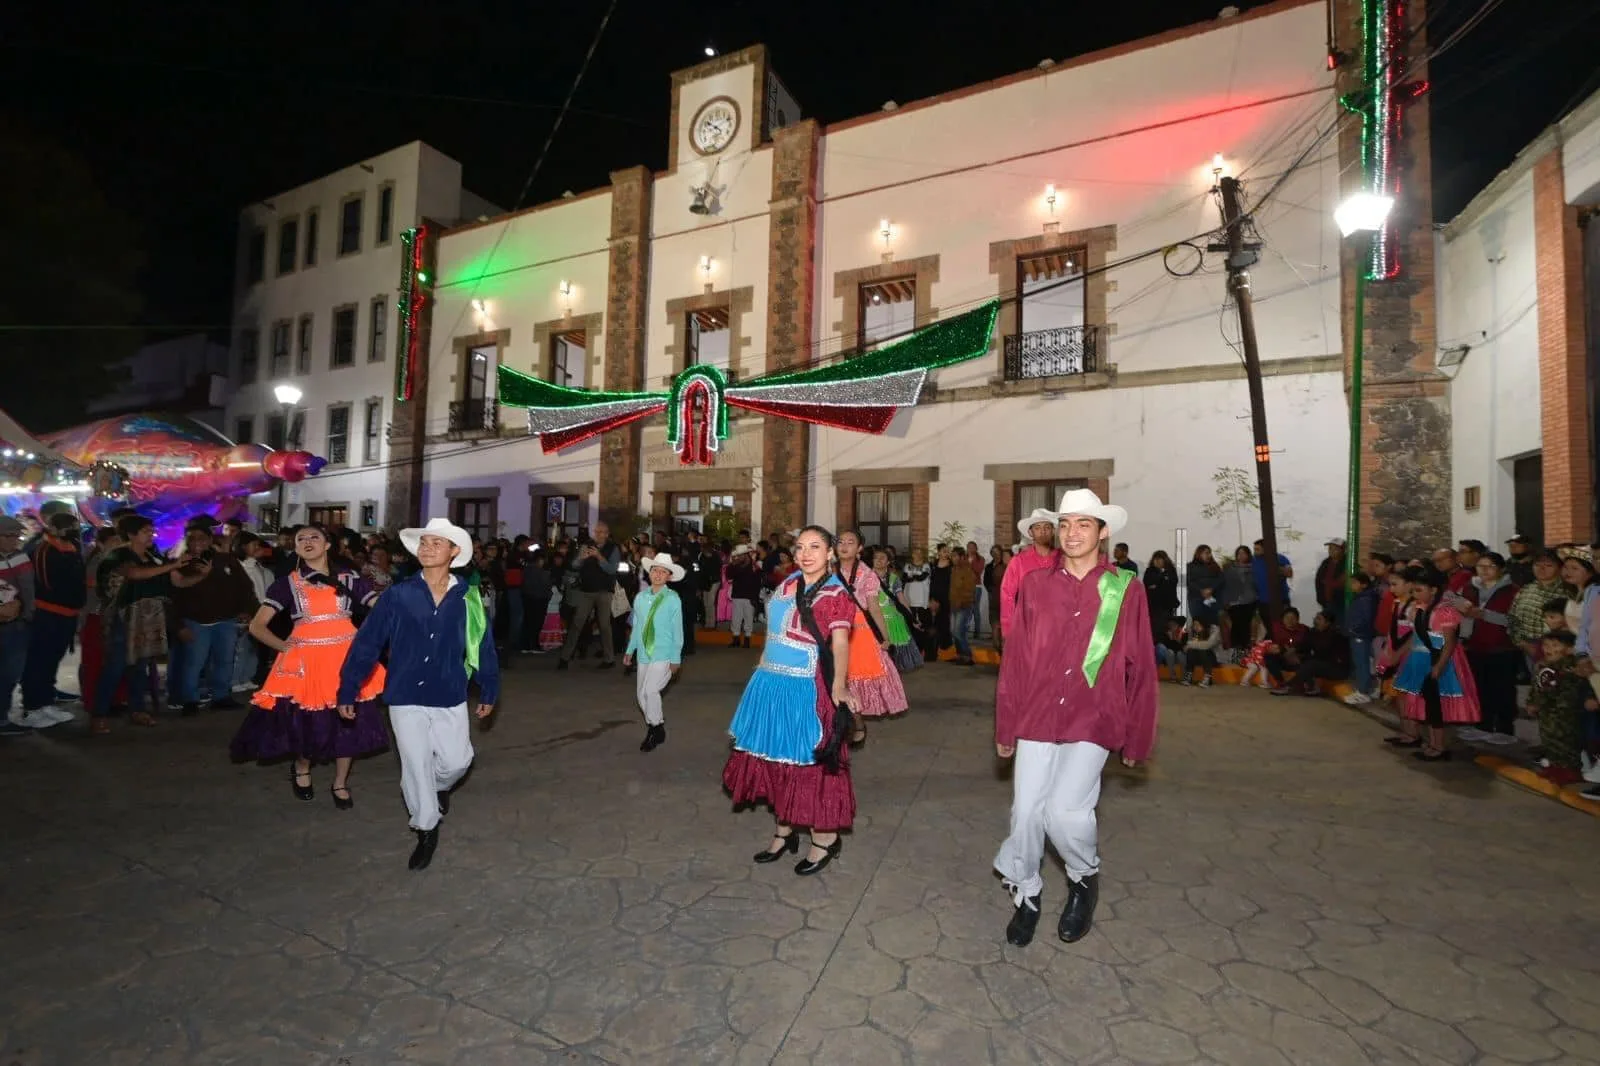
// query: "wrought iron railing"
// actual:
[[474, 416], [1048, 352]]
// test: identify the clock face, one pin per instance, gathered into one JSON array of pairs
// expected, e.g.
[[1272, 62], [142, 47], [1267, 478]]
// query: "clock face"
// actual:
[[715, 126]]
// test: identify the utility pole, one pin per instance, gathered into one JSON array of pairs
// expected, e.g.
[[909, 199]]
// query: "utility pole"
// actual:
[[1241, 256]]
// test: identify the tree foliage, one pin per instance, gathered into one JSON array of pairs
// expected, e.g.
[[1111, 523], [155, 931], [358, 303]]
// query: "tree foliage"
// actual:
[[73, 262]]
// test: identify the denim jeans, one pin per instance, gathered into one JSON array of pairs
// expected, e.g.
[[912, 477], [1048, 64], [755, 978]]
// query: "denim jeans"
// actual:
[[209, 653], [1361, 664], [245, 658], [964, 618], [48, 640], [118, 667], [13, 659]]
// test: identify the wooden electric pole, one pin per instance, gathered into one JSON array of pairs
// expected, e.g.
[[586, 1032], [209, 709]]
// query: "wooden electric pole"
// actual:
[[1241, 256]]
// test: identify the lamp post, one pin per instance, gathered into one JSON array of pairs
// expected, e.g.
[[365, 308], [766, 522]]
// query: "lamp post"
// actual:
[[1365, 213], [288, 396]]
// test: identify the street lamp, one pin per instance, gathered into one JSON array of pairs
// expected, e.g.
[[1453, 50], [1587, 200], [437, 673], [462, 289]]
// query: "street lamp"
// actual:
[[287, 395], [1363, 213]]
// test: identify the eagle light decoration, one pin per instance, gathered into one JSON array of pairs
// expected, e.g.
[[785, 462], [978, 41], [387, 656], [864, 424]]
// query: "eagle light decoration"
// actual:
[[861, 393]]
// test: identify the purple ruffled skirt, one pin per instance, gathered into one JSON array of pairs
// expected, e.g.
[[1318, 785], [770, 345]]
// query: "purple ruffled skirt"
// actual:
[[286, 729]]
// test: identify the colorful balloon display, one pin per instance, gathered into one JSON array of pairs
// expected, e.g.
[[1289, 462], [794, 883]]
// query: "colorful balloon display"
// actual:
[[169, 468]]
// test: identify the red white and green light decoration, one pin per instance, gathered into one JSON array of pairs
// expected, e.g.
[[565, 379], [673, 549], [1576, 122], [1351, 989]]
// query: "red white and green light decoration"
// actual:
[[415, 284], [862, 393], [1381, 103]]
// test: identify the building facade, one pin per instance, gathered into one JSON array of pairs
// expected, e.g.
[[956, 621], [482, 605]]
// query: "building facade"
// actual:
[[1080, 194], [183, 375], [1519, 299], [317, 273]]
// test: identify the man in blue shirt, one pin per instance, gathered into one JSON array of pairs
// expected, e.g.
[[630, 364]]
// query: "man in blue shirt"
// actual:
[[438, 637], [1258, 569]]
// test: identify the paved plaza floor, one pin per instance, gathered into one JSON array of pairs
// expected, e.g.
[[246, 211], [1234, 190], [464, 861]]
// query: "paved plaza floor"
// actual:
[[1277, 888]]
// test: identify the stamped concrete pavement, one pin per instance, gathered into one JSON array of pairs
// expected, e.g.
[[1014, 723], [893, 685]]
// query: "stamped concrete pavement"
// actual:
[[1277, 889]]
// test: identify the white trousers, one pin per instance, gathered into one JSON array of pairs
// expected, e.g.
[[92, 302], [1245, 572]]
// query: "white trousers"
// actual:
[[1054, 790], [744, 617], [435, 750], [652, 678]]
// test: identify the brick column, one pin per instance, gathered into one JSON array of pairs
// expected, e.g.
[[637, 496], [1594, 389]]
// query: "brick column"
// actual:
[[786, 447], [1405, 469], [1563, 376], [626, 308], [408, 426]]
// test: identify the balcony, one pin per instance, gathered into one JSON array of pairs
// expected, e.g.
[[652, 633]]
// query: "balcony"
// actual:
[[474, 416], [1049, 352]]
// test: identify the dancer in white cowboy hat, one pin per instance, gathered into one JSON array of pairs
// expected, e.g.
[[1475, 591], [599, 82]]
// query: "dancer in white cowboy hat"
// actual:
[[1036, 552], [438, 637], [656, 642], [1077, 682]]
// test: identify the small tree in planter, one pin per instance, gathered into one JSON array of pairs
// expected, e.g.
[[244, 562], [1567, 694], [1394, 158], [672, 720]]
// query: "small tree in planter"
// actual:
[[952, 533]]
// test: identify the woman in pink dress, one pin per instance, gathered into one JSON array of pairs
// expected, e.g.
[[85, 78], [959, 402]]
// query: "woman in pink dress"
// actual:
[[880, 694], [1434, 675]]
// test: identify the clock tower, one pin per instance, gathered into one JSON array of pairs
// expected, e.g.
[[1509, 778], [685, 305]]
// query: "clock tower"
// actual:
[[727, 106]]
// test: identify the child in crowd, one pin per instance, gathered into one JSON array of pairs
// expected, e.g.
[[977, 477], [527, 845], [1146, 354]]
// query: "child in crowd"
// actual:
[[1559, 693], [1254, 662], [1361, 627], [1199, 650], [1169, 649]]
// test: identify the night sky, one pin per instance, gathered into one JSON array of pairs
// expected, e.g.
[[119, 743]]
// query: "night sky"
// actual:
[[184, 112]]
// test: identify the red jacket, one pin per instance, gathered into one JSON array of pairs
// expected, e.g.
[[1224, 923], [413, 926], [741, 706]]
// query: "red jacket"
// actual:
[[1043, 694]]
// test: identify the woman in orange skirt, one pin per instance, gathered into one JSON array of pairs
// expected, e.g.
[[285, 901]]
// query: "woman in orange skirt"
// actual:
[[296, 711]]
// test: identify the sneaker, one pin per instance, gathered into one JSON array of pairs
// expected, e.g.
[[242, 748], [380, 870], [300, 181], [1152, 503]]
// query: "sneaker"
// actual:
[[1187, 681], [39, 717], [1501, 739], [1471, 733], [66, 697], [1281, 691], [243, 686], [1357, 699], [1592, 792], [1205, 682], [1592, 774]]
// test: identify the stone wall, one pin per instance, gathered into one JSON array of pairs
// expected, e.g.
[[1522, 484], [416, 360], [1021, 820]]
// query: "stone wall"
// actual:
[[627, 289], [1405, 481], [785, 468]]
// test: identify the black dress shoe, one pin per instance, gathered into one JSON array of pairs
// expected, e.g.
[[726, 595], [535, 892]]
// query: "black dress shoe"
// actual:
[[654, 737], [427, 841], [444, 802], [805, 867], [345, 802], [1019, 930], [301, 792], [1078, 915], [791, 845]]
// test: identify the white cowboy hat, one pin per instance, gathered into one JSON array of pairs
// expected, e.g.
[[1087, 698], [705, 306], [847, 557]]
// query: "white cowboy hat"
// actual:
[[743, 549], [1087, 503], [663, 561], [441, 527], [1025, 527]]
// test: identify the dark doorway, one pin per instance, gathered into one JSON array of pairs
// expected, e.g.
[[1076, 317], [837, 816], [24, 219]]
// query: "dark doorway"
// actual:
[[1527, 493]]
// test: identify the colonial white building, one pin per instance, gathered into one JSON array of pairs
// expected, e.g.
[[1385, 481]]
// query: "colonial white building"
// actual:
[[316, 281], [1515, 333], [772, 241]]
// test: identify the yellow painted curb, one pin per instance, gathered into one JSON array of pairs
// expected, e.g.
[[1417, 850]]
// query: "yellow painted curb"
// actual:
[[1530, 780]]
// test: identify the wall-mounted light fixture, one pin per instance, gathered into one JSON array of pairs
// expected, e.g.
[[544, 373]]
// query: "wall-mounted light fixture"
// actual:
[[707, 264], [1051, 224], [886, 231], [565, 289], [1219, 166]]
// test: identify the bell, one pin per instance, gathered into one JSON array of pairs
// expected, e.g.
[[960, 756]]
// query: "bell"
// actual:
[[698, 205]]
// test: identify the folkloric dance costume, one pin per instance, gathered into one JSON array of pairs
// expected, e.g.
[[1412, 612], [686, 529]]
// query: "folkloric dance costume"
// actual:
[[903, 649], [1453, 698], [787, 716], [875, 688], [295, 711], [434, 648], [1077, 682]]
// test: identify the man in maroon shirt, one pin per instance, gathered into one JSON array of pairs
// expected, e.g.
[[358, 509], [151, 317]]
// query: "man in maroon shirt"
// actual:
[[1077, 682]]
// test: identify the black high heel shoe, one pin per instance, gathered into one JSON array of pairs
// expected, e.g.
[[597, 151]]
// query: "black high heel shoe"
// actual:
[[345, 802], [805, 867], [304, 793], [791, 845]]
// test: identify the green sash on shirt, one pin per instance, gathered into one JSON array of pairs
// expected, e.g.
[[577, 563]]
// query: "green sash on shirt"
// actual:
[[1113, 586], [477, 622], [649, 638]]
